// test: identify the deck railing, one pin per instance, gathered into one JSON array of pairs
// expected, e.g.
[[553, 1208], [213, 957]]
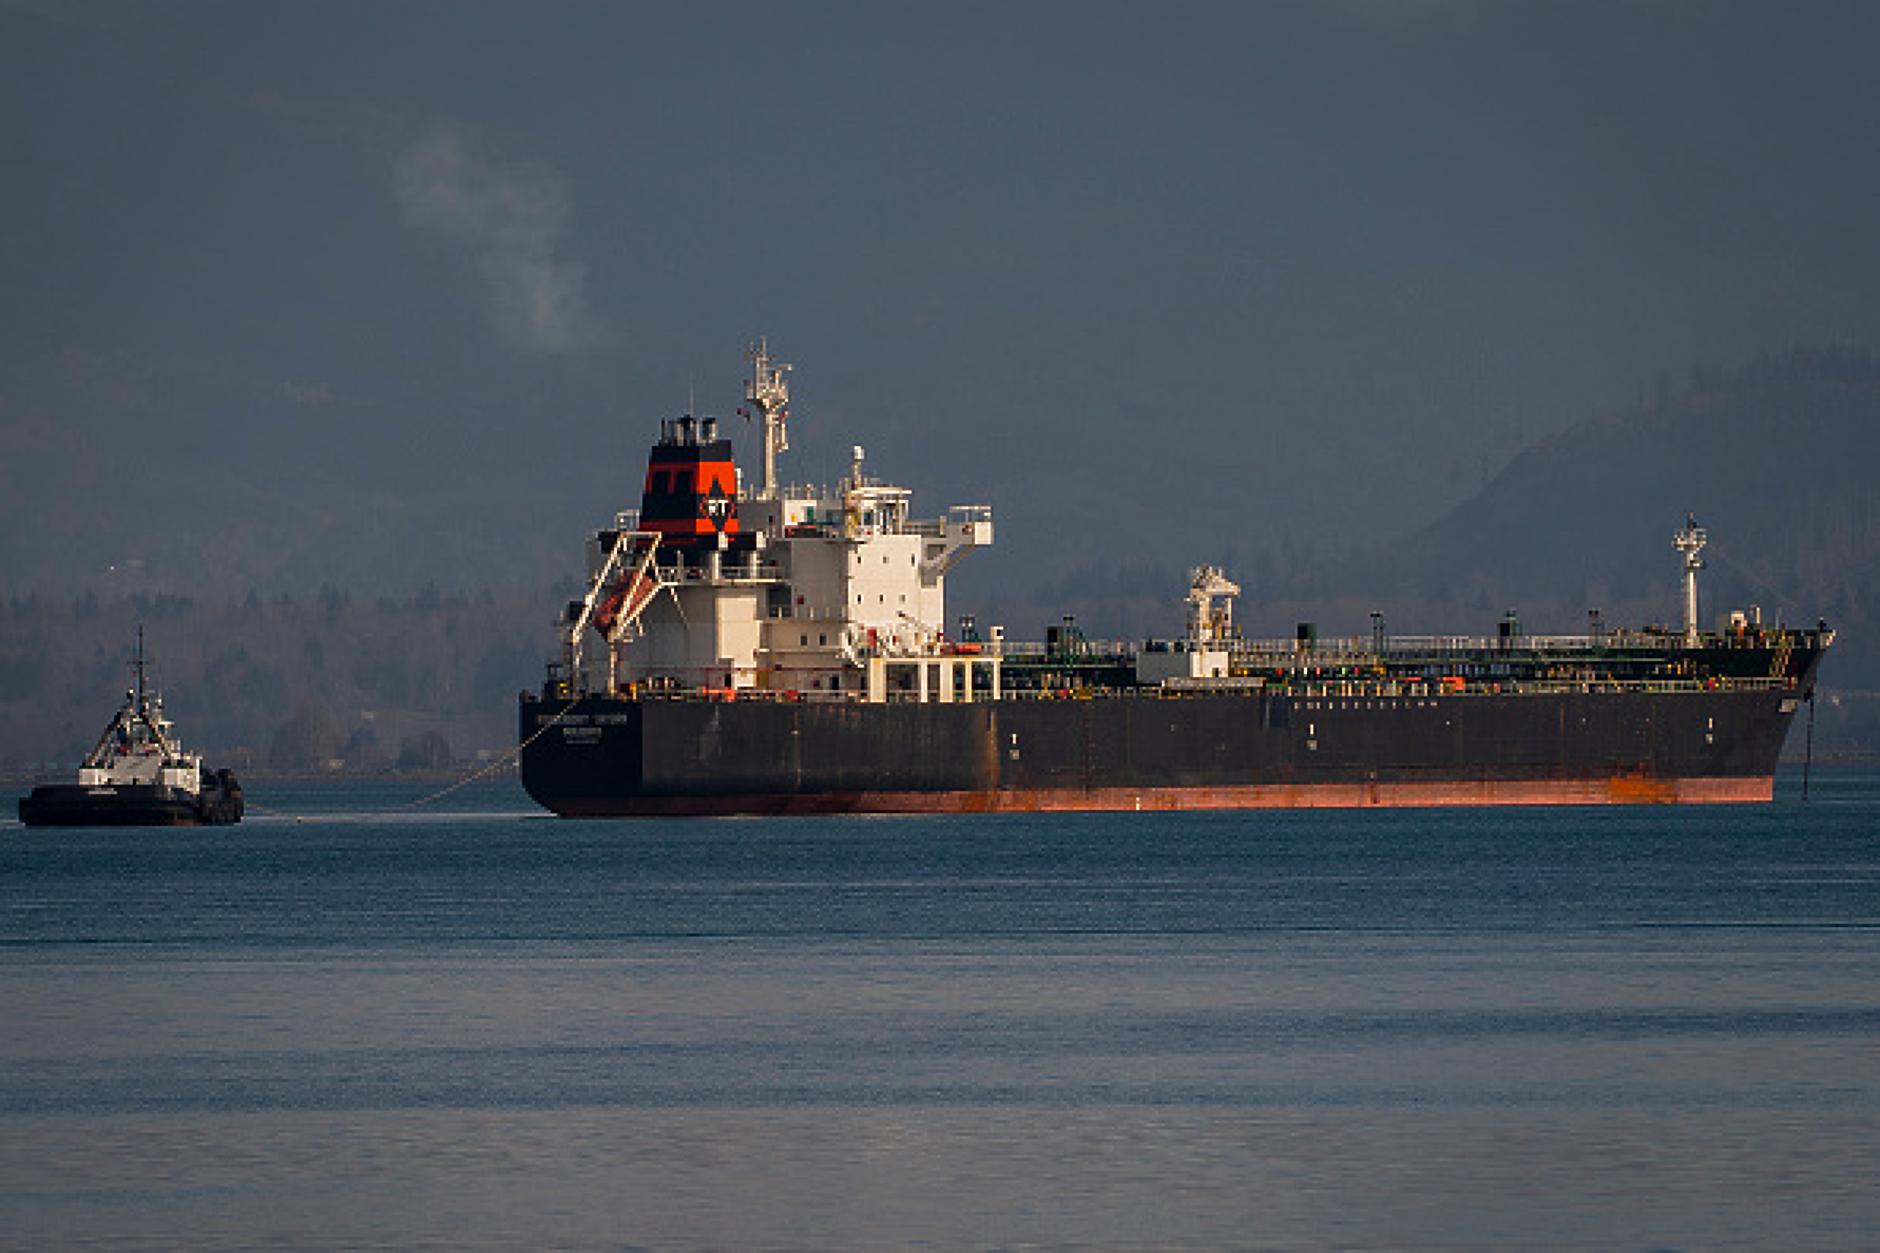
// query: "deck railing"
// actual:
[[1315, 691]]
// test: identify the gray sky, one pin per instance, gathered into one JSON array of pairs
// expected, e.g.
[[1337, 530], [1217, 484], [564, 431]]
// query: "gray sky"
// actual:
[[363, 291]]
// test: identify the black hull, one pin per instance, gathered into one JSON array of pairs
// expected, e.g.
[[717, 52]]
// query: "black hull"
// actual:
[[132, 805], [599, 756]]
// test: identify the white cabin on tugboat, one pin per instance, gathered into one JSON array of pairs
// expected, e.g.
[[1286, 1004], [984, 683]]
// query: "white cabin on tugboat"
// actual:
[[777, 592]]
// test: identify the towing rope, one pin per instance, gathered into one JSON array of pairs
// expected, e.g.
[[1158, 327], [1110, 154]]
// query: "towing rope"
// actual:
[[509, 758]]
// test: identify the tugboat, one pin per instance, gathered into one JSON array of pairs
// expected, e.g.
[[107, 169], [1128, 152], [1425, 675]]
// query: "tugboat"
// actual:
[[138, 775]]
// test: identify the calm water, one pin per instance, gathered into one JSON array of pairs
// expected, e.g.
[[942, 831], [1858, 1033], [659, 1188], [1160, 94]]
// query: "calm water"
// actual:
[[469, 1026]]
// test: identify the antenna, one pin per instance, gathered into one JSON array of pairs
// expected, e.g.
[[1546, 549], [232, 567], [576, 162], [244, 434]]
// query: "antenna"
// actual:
[[137, 664], [1690, 541]]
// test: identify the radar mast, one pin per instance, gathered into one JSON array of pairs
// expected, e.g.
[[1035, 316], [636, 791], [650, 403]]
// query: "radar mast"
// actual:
[[767, 393]]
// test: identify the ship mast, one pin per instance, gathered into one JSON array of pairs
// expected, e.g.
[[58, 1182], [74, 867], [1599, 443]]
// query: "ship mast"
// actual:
[[1690, 541], [767, 393], [137, 664]]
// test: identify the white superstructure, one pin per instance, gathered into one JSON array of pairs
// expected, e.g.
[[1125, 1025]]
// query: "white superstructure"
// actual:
[[141, 746], [804, 592]]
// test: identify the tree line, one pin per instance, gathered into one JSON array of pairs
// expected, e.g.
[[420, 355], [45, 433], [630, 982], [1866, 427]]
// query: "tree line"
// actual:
[[332, 681]]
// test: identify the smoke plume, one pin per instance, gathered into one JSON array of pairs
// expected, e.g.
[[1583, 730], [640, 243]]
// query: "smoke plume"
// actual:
[[507, 219]]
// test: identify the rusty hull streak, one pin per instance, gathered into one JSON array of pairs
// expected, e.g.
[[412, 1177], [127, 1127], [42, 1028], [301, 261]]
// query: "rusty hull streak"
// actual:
[[1630, 790]]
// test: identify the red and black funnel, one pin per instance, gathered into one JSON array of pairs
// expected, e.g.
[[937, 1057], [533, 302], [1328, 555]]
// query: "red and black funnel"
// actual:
[[691, 484]]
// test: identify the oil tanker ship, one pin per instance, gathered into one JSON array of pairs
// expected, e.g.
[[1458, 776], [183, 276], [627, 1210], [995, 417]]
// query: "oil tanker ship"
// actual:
[[776, 650]]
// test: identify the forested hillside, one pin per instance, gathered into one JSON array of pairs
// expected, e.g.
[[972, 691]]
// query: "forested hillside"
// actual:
[[1776, 459], [332, 682]]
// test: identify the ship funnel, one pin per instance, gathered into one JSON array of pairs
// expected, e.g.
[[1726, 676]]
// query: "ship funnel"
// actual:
[[691, 492]]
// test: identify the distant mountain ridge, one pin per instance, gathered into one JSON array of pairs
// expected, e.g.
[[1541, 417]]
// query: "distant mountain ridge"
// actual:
[[1775, 460]]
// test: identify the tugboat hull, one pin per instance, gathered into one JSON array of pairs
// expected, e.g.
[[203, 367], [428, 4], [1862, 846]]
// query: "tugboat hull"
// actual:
[[133, 804], [137, 775]]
